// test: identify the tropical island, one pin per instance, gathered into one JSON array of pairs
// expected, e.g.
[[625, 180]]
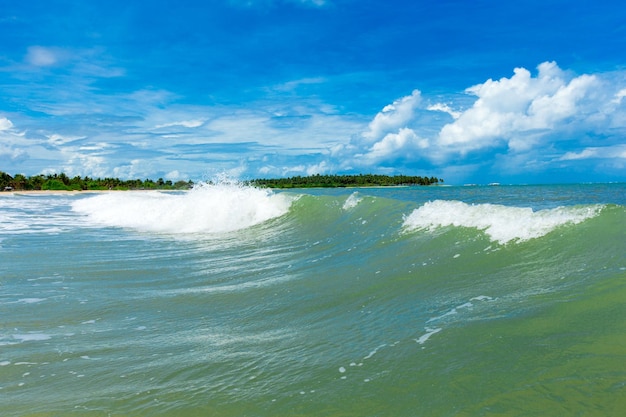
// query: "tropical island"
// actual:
[[62, 182], [335, 181]]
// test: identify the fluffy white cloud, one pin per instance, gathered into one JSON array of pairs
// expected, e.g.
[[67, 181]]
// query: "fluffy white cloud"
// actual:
[[320, 168], [619, 96], [5, 124], [512, 109], [393, 117], [402, 144], [444, 108], [85, 165]]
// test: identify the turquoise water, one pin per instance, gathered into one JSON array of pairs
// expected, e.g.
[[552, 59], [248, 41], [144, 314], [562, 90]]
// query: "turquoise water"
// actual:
[[233, 301]]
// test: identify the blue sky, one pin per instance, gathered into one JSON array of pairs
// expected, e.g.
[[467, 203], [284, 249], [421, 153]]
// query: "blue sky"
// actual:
[[472, 92]]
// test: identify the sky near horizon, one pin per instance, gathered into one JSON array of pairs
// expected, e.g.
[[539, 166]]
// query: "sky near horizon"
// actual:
[[469, 91]]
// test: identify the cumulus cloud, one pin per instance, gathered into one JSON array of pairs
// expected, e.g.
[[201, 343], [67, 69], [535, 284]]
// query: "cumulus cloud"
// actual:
[[393, 117], [5, 124], [511, 109], [320, 168], [400, 145], [508, 126], [85, 165]]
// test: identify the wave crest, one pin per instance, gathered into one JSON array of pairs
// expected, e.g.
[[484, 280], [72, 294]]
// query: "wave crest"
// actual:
[[501, 223], [207, 208]]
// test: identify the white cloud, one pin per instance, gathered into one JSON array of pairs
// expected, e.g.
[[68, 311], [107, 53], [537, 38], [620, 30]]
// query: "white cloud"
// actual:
[[394, 145], [58, 140], [175, 175], [5, 124], [520, 124], [40, 56], [12, 154], [320, 168], [393, 117], [608, 152], [508, 110], [293, 85], [85, 165], [184, 123], [619, 96], [444, 108], [138, 168]]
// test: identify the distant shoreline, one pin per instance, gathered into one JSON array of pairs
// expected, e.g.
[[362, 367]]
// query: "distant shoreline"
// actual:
[[75, 192]]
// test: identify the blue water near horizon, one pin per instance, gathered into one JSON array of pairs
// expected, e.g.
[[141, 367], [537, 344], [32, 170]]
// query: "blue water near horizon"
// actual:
[[233, 301]]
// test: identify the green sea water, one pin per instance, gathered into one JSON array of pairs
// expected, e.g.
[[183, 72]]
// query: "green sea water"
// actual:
[[233, 301]]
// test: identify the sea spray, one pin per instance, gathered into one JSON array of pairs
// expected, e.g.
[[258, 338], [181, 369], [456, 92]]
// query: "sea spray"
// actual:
[[207, 208], [352, 201]]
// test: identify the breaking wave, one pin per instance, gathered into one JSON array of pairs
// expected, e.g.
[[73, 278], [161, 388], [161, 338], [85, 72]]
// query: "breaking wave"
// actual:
[[207, 208], [502, 224]]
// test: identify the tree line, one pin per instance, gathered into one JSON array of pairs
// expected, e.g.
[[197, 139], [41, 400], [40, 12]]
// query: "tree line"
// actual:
[[361, 180], [62, 182]]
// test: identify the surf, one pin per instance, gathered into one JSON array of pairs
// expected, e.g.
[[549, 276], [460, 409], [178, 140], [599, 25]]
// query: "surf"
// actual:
[[503, 224], [205, 209]]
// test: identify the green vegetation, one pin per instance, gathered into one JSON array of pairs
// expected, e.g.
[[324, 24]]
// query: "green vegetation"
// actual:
[[367, 180], [63, 182]]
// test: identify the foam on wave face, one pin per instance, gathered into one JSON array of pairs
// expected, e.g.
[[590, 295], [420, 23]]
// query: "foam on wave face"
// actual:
[[204, 209], [352, 201], [502, 223]]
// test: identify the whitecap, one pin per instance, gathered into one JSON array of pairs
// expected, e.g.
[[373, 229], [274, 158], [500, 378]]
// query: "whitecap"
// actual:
[[352, 201], [502, 224], [206, 208]]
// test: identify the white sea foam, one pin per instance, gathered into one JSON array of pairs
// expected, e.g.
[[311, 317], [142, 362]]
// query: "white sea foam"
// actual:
[[205, 209], [373, 352], [452, 312], [31, 337], [502, 224], [352, 201], [36, 214], [429, 332], [30, 300]]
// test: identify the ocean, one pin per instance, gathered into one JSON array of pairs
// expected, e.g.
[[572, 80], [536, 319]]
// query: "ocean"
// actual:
[[229, 300]]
